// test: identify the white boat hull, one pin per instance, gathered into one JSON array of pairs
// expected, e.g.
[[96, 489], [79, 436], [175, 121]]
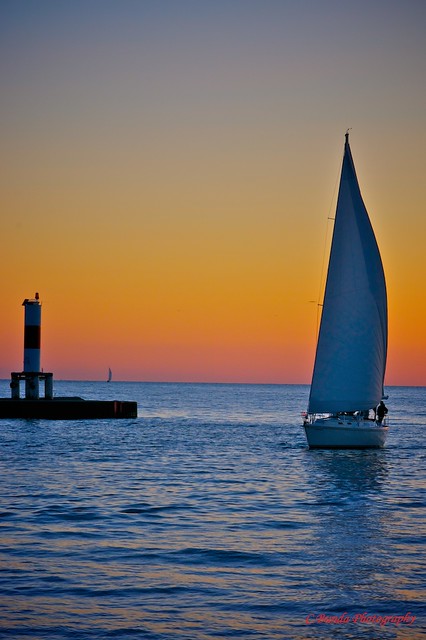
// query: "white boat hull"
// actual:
[[341, 433]]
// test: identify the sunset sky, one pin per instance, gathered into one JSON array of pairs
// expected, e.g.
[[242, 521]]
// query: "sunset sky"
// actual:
[[169, 168]]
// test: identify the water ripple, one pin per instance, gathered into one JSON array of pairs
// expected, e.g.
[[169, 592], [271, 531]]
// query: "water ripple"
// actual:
[[207, 518]]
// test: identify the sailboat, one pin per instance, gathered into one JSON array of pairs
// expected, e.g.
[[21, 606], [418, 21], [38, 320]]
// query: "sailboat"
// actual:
[[109, 375], [350, 361]]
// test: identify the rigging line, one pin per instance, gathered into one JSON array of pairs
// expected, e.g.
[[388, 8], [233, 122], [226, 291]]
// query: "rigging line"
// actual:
[[321, 287]]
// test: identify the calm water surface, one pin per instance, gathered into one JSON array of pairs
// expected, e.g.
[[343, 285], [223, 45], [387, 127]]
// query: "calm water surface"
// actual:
[[207, 517]]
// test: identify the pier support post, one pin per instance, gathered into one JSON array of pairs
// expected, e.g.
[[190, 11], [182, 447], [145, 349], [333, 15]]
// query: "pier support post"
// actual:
[[32, 387], [48, 386], [15, 386]]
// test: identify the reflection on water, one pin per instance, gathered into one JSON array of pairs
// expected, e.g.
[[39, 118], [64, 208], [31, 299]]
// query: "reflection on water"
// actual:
[[351, 527], [355, 539], [349, 473]]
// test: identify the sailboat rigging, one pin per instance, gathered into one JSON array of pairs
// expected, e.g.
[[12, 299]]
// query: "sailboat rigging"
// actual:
[[350, 362], [109, 375]]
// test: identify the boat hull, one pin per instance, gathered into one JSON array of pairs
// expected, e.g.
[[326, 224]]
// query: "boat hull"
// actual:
[[334, 433]]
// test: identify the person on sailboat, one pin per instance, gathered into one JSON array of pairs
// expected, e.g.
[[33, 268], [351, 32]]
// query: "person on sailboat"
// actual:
[[381, 411]]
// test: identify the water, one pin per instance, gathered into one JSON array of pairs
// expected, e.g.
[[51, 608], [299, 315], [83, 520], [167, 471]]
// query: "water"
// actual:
[[206, 518]]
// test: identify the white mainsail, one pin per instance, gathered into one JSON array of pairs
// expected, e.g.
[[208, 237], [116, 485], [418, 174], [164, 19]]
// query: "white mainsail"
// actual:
[[352, 344]]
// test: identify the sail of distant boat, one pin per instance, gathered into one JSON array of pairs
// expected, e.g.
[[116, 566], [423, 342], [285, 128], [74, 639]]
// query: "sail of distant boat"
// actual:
[[351, 352], [109, 375]]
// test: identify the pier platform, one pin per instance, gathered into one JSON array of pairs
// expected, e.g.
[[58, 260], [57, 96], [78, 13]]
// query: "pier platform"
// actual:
[[72, 408]]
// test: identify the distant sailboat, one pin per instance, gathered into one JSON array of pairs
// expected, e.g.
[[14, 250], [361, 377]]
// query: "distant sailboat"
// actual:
[[109, 375], [350, 360]]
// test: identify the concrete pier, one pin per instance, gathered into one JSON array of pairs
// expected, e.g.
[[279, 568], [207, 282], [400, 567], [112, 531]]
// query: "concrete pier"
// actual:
[[48, 407], [66, 409]]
